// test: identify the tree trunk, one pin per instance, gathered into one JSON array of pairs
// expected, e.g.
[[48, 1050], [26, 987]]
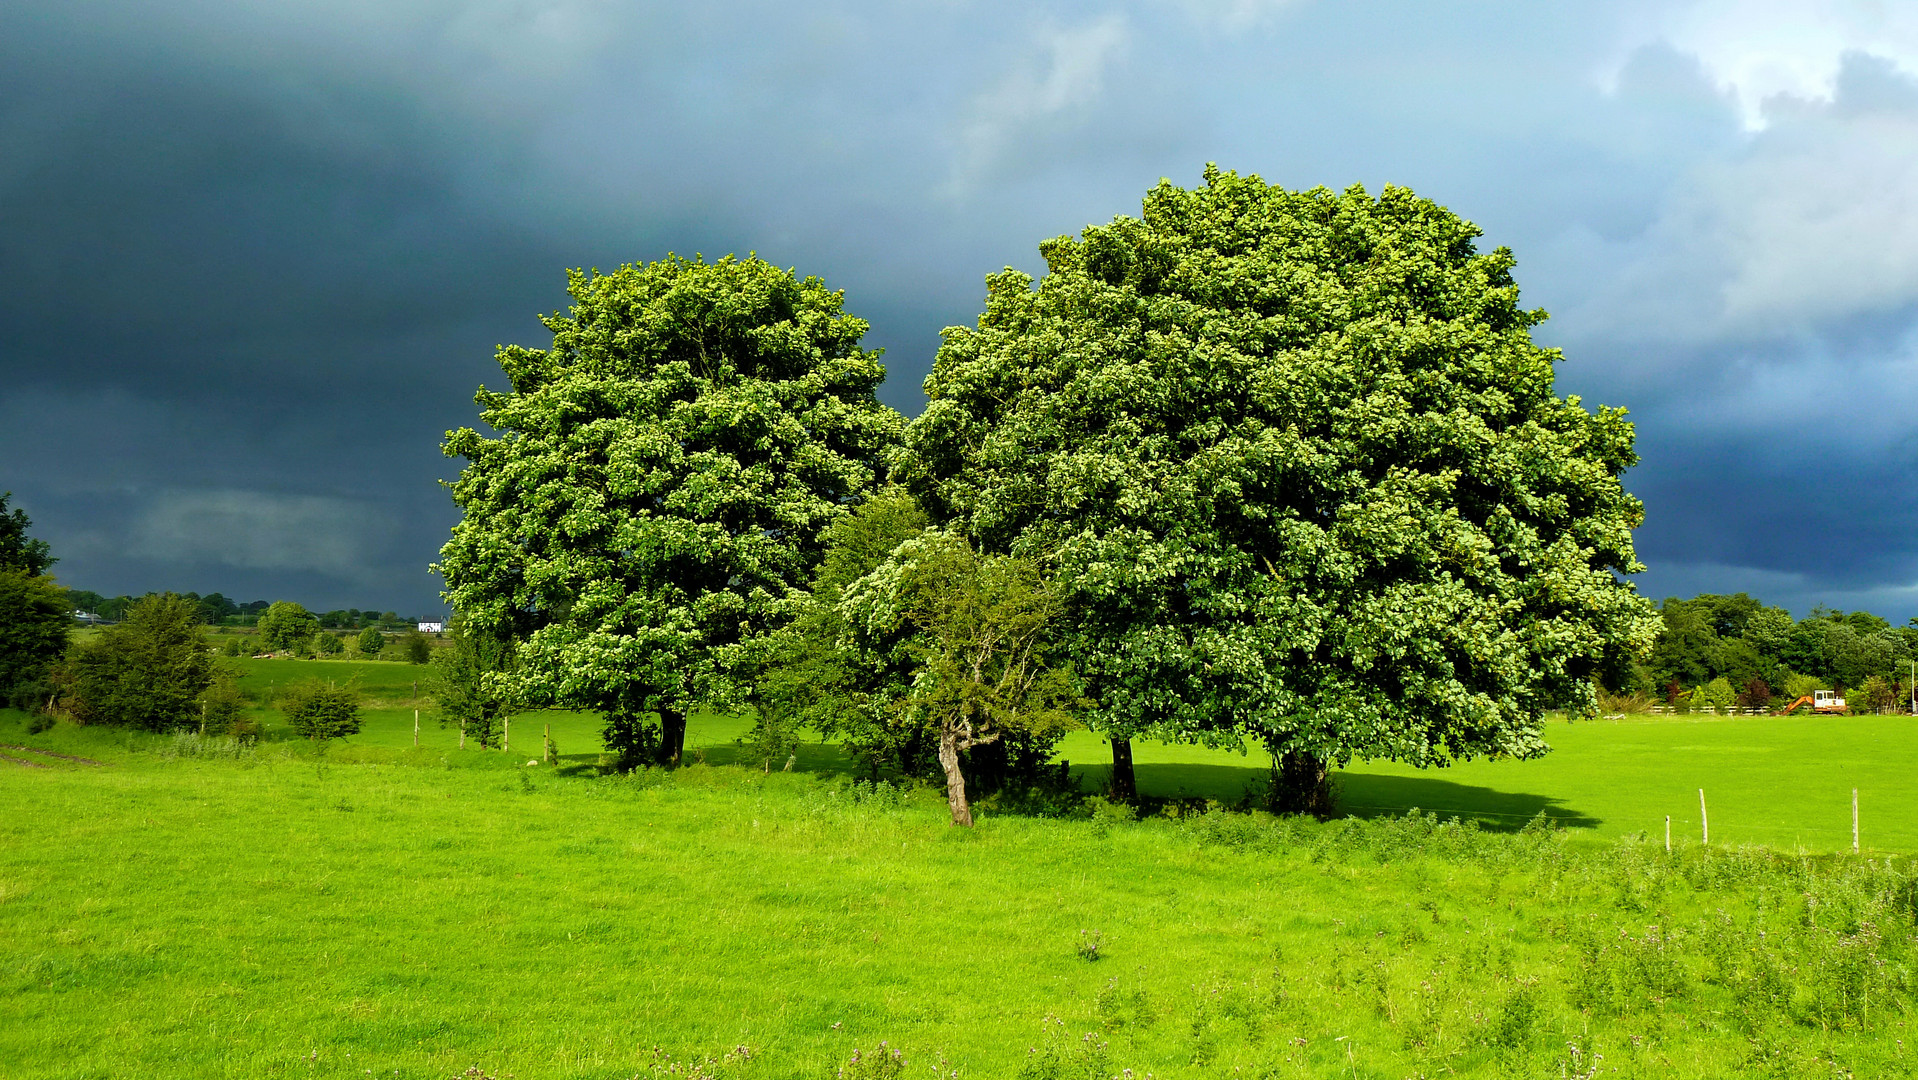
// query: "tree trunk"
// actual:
[[1124, 785], [955, 780], [1302, 784], [672, 736]]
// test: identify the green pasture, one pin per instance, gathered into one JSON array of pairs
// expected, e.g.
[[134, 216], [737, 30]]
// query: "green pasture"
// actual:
[[1781, 781], [186, 908]]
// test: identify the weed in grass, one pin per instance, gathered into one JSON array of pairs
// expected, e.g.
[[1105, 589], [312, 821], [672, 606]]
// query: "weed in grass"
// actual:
[[1060, 1056], [1090, 944], [884, 1063]]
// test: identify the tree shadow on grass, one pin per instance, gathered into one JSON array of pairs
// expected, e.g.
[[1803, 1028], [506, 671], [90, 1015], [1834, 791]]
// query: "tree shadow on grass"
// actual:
[[1360, 794]]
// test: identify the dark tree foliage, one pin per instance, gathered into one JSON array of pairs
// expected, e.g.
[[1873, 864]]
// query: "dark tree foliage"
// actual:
[[18, 551], [147, 672], [33, 634], [1746, 643]]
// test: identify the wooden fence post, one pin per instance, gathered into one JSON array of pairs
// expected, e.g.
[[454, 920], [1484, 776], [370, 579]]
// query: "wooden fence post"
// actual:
[[1854, 821], [416, 729], [1668, 834], [1704, 822]]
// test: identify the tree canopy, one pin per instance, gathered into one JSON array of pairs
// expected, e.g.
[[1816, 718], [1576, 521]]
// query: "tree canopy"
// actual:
[[1299, 472], [659, 484]]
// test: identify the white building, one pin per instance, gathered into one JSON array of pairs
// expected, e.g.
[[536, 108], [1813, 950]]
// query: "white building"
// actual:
[[432, 627]]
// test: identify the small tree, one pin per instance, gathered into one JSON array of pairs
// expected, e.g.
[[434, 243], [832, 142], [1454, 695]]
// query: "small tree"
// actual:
[[417, 648], [148, 672], [371, 641], [803, 675], [328, 644], [473, 683], [976, 625], [223, 707], [287, 625], [321, 711]]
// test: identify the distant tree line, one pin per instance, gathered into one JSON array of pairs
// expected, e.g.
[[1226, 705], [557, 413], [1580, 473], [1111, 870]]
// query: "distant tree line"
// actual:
[[213, 609], [1734, 650]]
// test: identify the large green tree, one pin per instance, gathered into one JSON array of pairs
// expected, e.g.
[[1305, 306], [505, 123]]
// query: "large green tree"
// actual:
[[1300, 473], [659, 483]]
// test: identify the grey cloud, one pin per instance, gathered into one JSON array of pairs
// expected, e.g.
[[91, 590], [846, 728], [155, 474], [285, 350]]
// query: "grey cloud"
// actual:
[[257, 530], [256, 256]]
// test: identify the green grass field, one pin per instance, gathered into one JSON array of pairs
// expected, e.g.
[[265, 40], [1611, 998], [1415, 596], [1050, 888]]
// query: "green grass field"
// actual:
[[186, 908], [386, 911], [1781, 781]]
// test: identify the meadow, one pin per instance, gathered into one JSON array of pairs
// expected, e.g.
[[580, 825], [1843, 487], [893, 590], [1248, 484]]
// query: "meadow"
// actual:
[[192, 907], [1785, 782]]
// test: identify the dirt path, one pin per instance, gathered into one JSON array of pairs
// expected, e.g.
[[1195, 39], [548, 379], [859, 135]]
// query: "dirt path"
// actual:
[[22, 762], [45, 753]]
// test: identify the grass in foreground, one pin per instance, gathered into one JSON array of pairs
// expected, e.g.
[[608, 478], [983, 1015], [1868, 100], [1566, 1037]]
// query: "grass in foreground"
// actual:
[[424, 912]]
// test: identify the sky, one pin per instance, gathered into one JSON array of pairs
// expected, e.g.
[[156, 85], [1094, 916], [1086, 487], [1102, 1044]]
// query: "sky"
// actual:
[[255, 258]]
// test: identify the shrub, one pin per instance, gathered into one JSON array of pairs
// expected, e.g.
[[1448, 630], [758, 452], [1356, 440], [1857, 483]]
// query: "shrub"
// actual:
[[321, 711], [371, 641], [148, 672], [1797, 686], [221, 704], [1717, 694], [416, 648], [328, 644]]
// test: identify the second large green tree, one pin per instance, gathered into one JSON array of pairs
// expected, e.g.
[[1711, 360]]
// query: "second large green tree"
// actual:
[[1300, 473], [659, 483]]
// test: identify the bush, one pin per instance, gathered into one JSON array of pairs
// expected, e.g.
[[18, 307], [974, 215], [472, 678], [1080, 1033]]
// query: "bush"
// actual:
[[321, 711], [148, 672], [328, 644], [416, 648], [222, 706], [1717, 694], [1797, 686], [370, 642]]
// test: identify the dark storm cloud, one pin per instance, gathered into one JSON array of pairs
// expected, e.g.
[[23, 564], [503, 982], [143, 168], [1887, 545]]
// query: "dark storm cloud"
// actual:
[[255, 257]]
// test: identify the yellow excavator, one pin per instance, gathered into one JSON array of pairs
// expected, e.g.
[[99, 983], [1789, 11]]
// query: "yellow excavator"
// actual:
[[1821, 701]]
